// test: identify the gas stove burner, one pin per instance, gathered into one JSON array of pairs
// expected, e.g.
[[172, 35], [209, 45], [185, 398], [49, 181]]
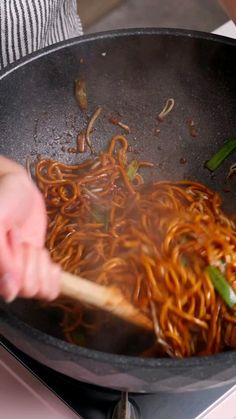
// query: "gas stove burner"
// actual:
[[126, 409]]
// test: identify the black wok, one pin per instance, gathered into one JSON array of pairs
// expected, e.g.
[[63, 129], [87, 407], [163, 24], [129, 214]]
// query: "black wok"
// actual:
[[131, 73]]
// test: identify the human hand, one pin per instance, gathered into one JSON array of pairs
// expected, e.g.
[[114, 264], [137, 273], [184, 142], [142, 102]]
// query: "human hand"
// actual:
[[25, 266]]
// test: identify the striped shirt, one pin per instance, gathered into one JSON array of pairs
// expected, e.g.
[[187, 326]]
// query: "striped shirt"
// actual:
[[29, 25]]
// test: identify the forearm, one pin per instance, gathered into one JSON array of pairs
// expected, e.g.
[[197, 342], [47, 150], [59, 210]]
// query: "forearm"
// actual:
[[230, 8]]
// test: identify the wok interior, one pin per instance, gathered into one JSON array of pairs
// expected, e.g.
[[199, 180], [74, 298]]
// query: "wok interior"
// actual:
[[116, 336], [130, 76]]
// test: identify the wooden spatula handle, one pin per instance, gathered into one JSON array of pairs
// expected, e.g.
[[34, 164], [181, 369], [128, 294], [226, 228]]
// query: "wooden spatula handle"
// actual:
[[106, 298]]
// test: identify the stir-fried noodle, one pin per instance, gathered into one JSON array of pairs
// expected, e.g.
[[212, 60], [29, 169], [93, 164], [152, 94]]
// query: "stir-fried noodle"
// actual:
[[154, 241]]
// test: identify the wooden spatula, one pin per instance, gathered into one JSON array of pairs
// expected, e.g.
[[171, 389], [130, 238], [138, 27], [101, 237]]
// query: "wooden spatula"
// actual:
[[109, 299]]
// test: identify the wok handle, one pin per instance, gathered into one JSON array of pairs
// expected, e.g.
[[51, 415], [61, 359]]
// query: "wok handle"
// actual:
[[109, 299]]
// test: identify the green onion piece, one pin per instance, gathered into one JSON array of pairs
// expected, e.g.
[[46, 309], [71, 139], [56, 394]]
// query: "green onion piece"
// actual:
[[222, 286], [106, 223], [98, 214], [79, 337], [221, 155], [101, 216], [132, 169], [184, 260]]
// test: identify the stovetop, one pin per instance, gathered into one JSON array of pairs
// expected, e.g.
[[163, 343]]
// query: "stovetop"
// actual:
[[91, 402]]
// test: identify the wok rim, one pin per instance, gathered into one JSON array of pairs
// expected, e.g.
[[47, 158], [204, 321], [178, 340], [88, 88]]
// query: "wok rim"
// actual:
[[117, 33], [77, 351], [227, 357]]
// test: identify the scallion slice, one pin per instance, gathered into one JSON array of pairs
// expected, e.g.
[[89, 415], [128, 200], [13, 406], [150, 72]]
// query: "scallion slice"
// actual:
[[221, 155]]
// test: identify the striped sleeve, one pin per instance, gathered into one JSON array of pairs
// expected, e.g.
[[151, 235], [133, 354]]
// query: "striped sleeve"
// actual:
[[28, 25]]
